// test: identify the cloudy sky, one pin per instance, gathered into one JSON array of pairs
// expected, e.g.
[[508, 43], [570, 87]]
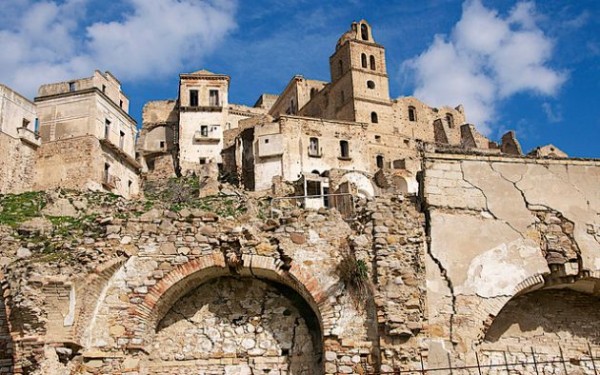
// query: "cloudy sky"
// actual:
[[530, 66]]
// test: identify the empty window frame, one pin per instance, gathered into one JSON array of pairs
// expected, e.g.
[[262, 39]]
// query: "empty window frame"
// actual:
[[342, 97], [313, 188], [104, 89], [364, 32], [193, 98], [372, 62], [340, 68], [106, 128], [161, 145], [213, 98], [412, 113], [344, 150], [379, 161], [374, 118], [370, 85], [121, 139], [26, 123], [204, 130], [71, 86], [363, 60], [450, 120], [313, 146]]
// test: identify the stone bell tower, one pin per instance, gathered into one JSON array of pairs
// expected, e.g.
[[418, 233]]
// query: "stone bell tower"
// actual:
[[359, 81]]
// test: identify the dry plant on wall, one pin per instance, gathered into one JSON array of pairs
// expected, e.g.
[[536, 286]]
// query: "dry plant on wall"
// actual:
[[354, 273]]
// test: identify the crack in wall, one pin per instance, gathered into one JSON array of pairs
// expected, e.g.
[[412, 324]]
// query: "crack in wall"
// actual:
[[443, 273]]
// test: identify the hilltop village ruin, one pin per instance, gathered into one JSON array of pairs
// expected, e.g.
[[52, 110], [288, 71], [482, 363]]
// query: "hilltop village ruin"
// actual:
[[329, 229]]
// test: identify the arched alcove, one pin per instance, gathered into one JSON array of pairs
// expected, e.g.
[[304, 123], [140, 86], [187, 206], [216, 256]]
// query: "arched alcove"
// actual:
[[255, 324], [545, 319]]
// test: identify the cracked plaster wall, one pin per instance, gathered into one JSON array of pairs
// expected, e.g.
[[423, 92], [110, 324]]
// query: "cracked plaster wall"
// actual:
[[498, 226]]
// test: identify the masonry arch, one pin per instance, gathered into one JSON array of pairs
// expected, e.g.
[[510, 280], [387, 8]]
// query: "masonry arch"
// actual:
[[545, 315], [260, 278]]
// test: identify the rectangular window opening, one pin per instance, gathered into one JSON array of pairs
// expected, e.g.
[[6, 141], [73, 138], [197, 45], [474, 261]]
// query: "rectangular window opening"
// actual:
[[106, 128], [213, 98], [204, 130], [193, 98], [313, 188], [71, 86], [121, 139]]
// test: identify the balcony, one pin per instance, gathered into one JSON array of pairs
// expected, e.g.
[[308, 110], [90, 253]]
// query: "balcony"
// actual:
[[29, 136], [204, 137], [109, 181]]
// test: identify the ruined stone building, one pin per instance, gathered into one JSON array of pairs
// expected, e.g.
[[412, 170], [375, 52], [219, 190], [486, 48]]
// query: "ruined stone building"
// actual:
[[349, 125], [79, 135], [445, 253]]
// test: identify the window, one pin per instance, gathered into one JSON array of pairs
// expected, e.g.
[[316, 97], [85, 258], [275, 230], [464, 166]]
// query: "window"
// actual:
[[313, 188], [412, 114], [374, 118], [313, 146], [204, 130], [129, 184], [213, 98], [202, 161], [106, 128], [341, 67], [379, 161], [106, 173], [104, 89], [193, 98], [377, 138], [71, 86], [36, 126], [292, 107], [161, 145], [364, 32], [313, 92], [450, 120], [120, 104], [344, 150], [371, 84], [266, 140], [121, 139], [372, 62], [26, 123], [363, 60]]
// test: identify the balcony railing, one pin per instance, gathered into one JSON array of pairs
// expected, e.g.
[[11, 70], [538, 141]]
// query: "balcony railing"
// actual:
[[206, 137], [29, 136]]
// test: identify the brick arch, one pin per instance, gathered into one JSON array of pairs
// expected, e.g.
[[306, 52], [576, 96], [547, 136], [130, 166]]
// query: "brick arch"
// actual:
[[182, 279], [531, 284]]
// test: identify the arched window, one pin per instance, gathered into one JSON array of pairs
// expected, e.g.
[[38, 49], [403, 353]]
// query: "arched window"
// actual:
[[344, 149], [341, 67], [374, 118], [371, 84], [450, 120], [372, 62], [412, 113], [364, 32], [379, 161], [363, 60]]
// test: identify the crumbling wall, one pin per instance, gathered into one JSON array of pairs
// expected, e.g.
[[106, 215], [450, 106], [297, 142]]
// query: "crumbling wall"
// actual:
[[249, 321], [503, 226], [16, 165], [6, 342]]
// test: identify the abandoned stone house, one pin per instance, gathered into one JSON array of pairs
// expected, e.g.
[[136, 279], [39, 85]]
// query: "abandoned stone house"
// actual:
[[79, 135], [475, 258], [350, 125]]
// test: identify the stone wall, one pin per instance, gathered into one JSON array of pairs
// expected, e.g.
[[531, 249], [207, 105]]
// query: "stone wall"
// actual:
[[502, 227], [16, 165]]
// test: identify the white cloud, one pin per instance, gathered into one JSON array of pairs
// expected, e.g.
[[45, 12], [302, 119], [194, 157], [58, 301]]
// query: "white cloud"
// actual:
[[486, 58], [48, 41]]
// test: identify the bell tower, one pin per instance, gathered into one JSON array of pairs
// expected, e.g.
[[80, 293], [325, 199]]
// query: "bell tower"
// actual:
[[359, 80]]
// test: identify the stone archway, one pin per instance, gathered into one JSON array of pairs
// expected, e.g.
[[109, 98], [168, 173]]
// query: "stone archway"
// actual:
[[300, 286], [554, 322], [238, 325]]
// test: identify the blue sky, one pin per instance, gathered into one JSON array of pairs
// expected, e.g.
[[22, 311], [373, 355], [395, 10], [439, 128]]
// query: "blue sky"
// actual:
[[530, 66]]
